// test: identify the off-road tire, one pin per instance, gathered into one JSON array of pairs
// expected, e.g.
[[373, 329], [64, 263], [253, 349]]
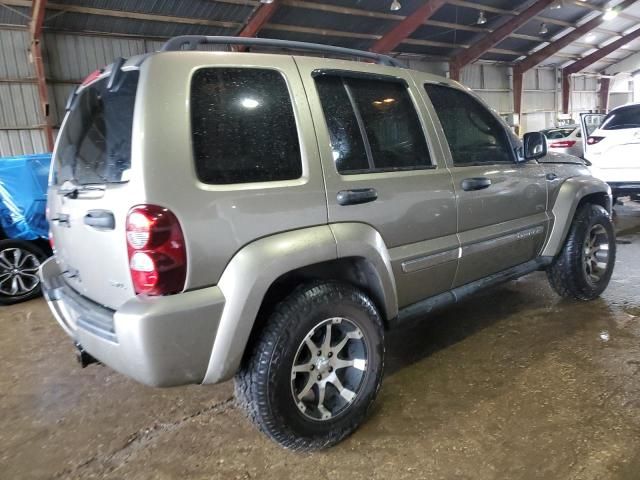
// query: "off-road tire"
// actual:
[[263, 384], [566, 274], [27, 247]]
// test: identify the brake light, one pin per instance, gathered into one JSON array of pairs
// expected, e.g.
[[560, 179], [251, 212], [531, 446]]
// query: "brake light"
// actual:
[[594, 140], [156, 248], [51, 242], [563, 144]]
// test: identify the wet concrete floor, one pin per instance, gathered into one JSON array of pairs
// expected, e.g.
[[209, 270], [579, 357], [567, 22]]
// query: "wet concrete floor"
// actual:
[[513, 384]]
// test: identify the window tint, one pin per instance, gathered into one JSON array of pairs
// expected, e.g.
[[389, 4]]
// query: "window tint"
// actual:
[[95, 143], [474, 135], [626, 117], [243, 125], [373, 125]]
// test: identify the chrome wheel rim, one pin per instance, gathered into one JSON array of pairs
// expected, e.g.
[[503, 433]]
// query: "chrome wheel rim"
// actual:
[[596, 253], [329, 369], [18, 272]]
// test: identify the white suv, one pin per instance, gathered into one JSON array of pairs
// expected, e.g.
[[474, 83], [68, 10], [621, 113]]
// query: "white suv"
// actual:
[[612, 146]]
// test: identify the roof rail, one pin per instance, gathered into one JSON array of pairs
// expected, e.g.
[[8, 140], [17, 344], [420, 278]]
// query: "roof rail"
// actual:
[[191, 42]]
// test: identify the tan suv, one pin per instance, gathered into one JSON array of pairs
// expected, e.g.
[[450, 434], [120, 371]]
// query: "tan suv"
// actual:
[[269, 216]]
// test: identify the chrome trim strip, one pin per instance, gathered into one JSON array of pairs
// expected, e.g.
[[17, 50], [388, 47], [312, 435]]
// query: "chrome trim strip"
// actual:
[[501, 241], [429, 261]]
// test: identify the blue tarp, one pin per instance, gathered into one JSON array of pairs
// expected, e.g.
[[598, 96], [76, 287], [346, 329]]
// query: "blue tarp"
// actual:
[[23, 196]]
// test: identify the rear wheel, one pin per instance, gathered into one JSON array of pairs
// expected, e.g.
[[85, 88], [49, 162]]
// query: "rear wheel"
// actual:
[[583, 268], [316, 368]]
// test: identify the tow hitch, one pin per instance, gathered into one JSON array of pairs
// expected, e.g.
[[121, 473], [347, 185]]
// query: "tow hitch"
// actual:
[[84, 358]]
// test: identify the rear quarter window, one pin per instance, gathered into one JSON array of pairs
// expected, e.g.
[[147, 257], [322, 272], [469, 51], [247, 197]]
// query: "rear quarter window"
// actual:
[[243, 126]]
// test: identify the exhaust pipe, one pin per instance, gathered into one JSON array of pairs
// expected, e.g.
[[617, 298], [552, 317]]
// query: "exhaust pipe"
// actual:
[[83, 357]]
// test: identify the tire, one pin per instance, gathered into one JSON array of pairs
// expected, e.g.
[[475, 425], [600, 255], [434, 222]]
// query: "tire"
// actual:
[[19, 262], [571, 275], [274, 396]]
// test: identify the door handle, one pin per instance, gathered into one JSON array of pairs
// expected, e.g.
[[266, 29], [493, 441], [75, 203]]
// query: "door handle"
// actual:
[[100, 219], [357, 196], [476, 183]]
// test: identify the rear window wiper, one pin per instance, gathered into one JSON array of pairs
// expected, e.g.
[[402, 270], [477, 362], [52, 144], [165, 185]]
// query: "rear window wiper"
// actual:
[[75, 191]]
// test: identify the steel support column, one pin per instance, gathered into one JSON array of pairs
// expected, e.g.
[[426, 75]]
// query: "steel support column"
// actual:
[[35, 33], [603, 95]]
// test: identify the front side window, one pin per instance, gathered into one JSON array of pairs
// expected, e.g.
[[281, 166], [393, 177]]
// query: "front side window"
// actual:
[[474, 135], [373, 125], [243, 126]]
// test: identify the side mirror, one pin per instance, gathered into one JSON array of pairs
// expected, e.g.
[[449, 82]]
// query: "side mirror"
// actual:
[[535, 145]]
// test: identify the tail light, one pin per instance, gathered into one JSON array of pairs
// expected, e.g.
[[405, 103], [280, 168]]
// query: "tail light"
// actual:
[[594, 140], [51, 242], [563, 144], [157, 253]]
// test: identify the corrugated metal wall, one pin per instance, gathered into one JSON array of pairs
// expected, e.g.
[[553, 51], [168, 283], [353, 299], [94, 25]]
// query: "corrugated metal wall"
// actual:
[[69, 58], [20, 119]]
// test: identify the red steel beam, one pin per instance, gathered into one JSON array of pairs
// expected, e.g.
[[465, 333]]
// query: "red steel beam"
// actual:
[[583, 63], [35, 31], [601, 53], [406, 27], [467, 56], [554, 47], [259, 18]]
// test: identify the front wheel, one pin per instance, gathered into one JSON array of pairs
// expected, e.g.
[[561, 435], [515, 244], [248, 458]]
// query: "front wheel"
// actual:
[[316, 368], [19, 263], [583, 268]]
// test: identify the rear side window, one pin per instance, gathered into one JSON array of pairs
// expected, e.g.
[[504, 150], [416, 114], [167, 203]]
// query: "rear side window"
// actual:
[[474, 135], [95, 143], [243, 126], [625, 117], [373, 125]]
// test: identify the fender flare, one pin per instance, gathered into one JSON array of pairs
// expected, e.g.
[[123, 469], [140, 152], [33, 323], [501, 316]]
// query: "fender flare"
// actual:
[[572, 191], [254, 268]]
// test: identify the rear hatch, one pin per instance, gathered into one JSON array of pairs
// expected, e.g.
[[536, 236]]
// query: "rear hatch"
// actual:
[[90, 192], [613, 148]]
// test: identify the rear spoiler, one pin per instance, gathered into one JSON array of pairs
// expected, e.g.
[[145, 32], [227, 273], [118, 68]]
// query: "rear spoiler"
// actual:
[[113, 84]]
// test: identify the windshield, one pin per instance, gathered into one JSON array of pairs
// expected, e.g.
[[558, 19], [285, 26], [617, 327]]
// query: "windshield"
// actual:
[[95, 141], [621, 118]]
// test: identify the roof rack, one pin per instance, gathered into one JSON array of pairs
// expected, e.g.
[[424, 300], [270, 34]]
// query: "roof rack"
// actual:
[[191, 42]]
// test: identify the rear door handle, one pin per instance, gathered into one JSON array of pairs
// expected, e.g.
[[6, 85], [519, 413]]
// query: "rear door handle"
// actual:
[[475, 183], [102, 219], [357, 196]]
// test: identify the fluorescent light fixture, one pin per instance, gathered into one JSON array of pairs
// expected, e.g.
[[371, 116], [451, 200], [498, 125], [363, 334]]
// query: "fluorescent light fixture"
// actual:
[[481, 18], [249, 103], [543, 29], [266, 1], [610, 14], [395, 6]]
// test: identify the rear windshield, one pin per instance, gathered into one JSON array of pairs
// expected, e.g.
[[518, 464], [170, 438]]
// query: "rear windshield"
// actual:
[[626, 117], [558, 133], [95, 143]]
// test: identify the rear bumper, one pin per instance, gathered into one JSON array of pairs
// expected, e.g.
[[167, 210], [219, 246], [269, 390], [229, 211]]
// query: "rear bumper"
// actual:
[[159, 341]]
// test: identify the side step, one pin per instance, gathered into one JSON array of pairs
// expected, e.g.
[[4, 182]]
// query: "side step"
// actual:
[[429, 305]]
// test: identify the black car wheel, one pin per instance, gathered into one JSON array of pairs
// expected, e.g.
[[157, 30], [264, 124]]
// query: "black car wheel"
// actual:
[[19, 263], [316, 368]]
